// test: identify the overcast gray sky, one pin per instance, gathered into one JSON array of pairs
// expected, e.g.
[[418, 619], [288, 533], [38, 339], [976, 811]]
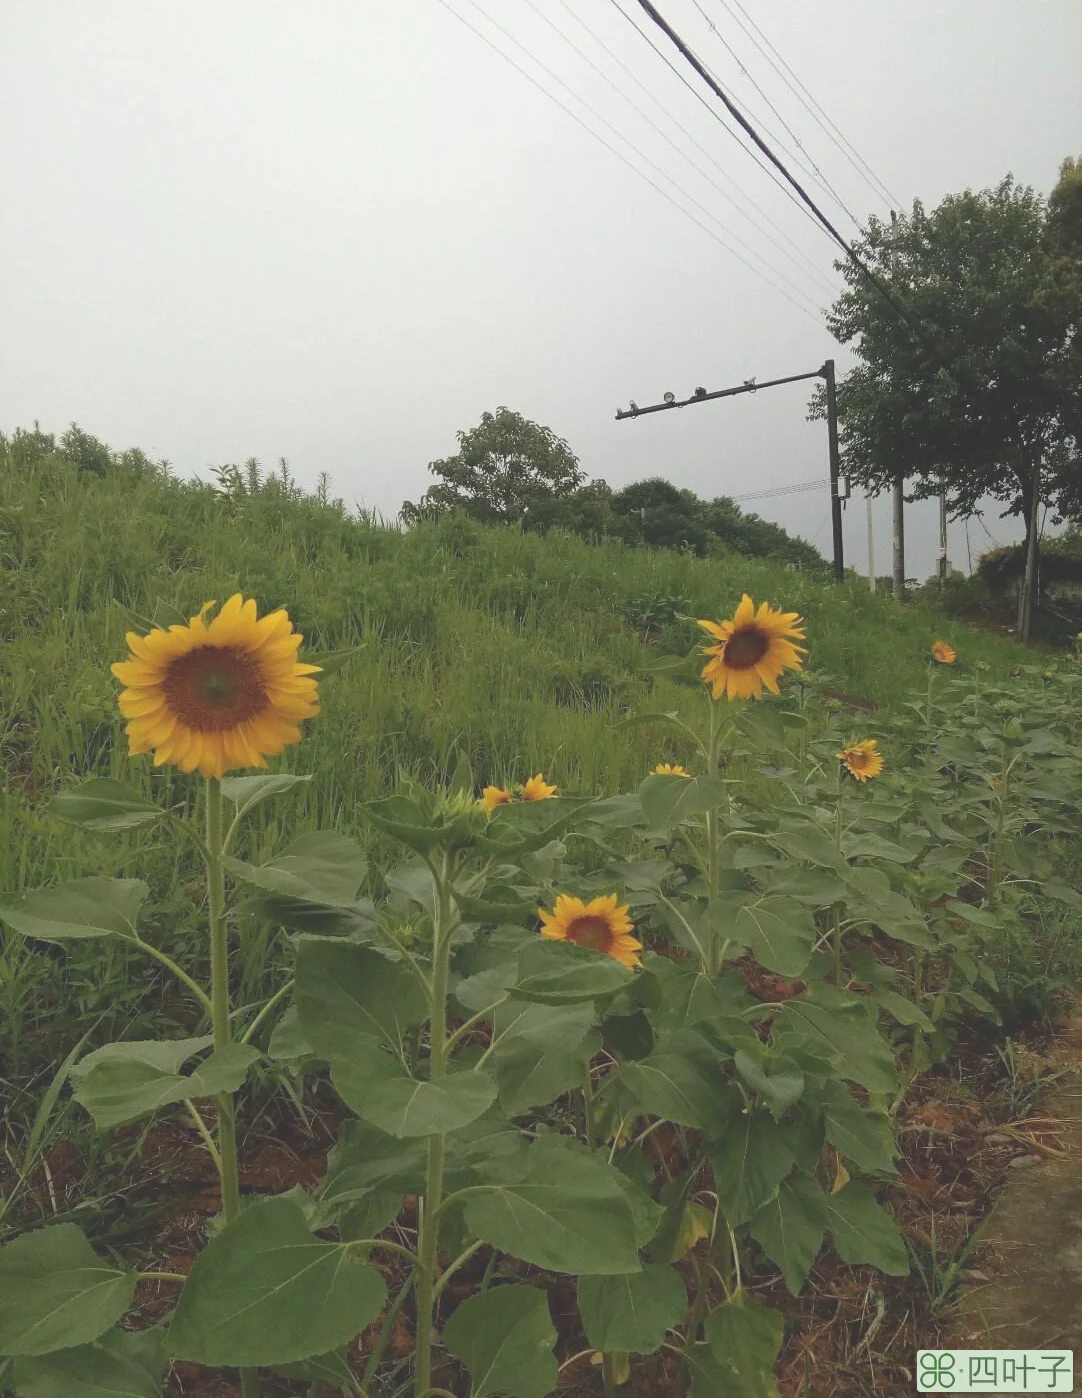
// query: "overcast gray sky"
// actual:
[[339, 230]]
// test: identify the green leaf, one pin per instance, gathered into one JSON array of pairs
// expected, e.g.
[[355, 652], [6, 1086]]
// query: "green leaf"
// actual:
[[858, 1051], [505, 1338], [790, 1228], [287, 1042], [104, 804], [120, 1082], [122, 1364], [682, 1081], [246, 792], [632, 1313], [863, 1136], [55, 1292], [344, 991], [266, 1292], [779, 931], [357, 922], [738, 1356], [561, 973], [332, 1369], [864, 1231], [93, 907], [322, 867], [567, 1211], [487, 987], [779, 1080], [798, 839], [365, 1159], [903, 1010], [750, 1160], [541, 1051], [669, 800], [404, 1106], [689, 996]]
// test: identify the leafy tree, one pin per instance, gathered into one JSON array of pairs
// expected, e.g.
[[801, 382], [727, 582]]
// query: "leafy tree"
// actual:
[[505, 466], [985, 399], [654, 511]]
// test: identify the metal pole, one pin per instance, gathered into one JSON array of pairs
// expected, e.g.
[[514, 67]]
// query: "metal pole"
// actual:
[[942, 539], [871, 545], [898, 561], [835, 469]]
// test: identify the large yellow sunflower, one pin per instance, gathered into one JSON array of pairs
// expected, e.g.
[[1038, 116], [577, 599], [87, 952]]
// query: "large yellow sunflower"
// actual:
[[494, 796], [537, 789], [214, 696], [752, 650], [943, 654], [862, 760], [667, 769], [599, 925]]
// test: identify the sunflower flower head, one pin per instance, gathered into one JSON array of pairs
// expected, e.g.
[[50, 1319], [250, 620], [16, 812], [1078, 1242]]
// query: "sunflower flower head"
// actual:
[[494, 796], [862, 760], [753, 649], [943, 654], [460, 813], [599, 925], [668, 769], [537, 789], [216, 696]]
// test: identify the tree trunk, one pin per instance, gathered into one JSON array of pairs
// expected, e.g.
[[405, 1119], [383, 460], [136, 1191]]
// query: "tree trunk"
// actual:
[[1029, 582]]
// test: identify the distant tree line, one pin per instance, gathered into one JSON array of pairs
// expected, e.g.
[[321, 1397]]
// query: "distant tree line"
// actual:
[[509, 470]]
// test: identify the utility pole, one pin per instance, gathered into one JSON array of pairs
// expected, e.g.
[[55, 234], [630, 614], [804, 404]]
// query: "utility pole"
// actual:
[[899, 487], [942, 538], [826, 372], [871, 544], [1025, 606]]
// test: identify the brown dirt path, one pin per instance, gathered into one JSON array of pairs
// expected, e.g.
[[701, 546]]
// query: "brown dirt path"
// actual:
[[1027, 1291]]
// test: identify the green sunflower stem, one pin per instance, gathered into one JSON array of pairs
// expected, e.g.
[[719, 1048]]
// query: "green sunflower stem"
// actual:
[[608, 1375], [836, 909], [219, 997], [428, 1222]]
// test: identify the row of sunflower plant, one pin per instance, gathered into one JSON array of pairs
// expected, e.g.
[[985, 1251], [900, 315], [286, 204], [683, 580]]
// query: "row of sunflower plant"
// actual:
[[516, 1079]]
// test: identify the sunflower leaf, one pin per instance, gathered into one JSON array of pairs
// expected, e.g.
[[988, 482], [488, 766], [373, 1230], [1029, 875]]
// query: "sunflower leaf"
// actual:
[[104, 804], [750, 1161], [345, 993], [561, 973], [505, 1338], [121, 1082], [246, 792], [322, 867], [779, 931], [669, 800], [790, 1227], [541, 1051], [632, 1312], [122, 1364], [93, 907], [403, 1106], [56, 1293], [738, 1355], [864, 1231]]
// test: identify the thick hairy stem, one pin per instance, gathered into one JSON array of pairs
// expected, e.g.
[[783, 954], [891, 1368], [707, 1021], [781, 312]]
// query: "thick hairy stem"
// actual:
[[712, 841]]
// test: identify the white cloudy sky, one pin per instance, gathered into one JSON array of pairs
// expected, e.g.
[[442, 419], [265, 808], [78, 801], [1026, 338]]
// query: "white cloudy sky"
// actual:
[[340, 230]]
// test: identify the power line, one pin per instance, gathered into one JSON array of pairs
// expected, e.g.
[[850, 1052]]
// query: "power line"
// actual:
[[663, 24], [809, 265], [664, 135], [781, 490], [620, 156], [841, 141]]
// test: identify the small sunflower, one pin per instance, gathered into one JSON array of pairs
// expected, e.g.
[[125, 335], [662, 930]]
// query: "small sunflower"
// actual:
[[494, 796], [752, 650], [943, 654], [862, 760], [537, 789], [599, 925], [667, 769], [216, 696]]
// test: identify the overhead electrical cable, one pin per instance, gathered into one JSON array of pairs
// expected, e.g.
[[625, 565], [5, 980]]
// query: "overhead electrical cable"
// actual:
[[735, 112], [832, 291], [808, 164], [737, 191], [772, 279], [817, 113], [782, 490]]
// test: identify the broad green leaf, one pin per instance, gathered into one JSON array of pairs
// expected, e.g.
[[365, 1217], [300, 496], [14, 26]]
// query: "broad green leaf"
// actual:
[[864, 1231], [499, 903], [682, 1081], [404, 1106], [247, 792], [122, 1364], [632, 1313], [859, 1052], [120, 1082], [365, 1159], [779, 1080], [541, 1051], [903, 1010], [487, 987], [738, 1356], [683, 1222], [402, 818], [802, 840], [344, 991], [790, 1228], [56, 1293], [505, 1338], [93, 907], [265, 1291], [750, 1160], [669, 800], [779, 931], [561, 973], [104, 804], [287, 1042], [630, 1037], [322, 867], [868, 845], [568, 1212], [357, 922], [863, 1136], [690, 996]]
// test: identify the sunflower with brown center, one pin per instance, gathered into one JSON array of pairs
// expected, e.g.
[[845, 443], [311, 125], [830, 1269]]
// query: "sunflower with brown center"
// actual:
[[667, 769], [599, 925], [862, 760], [219, 695], [753, 650], [943, 654], [537, 789]]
